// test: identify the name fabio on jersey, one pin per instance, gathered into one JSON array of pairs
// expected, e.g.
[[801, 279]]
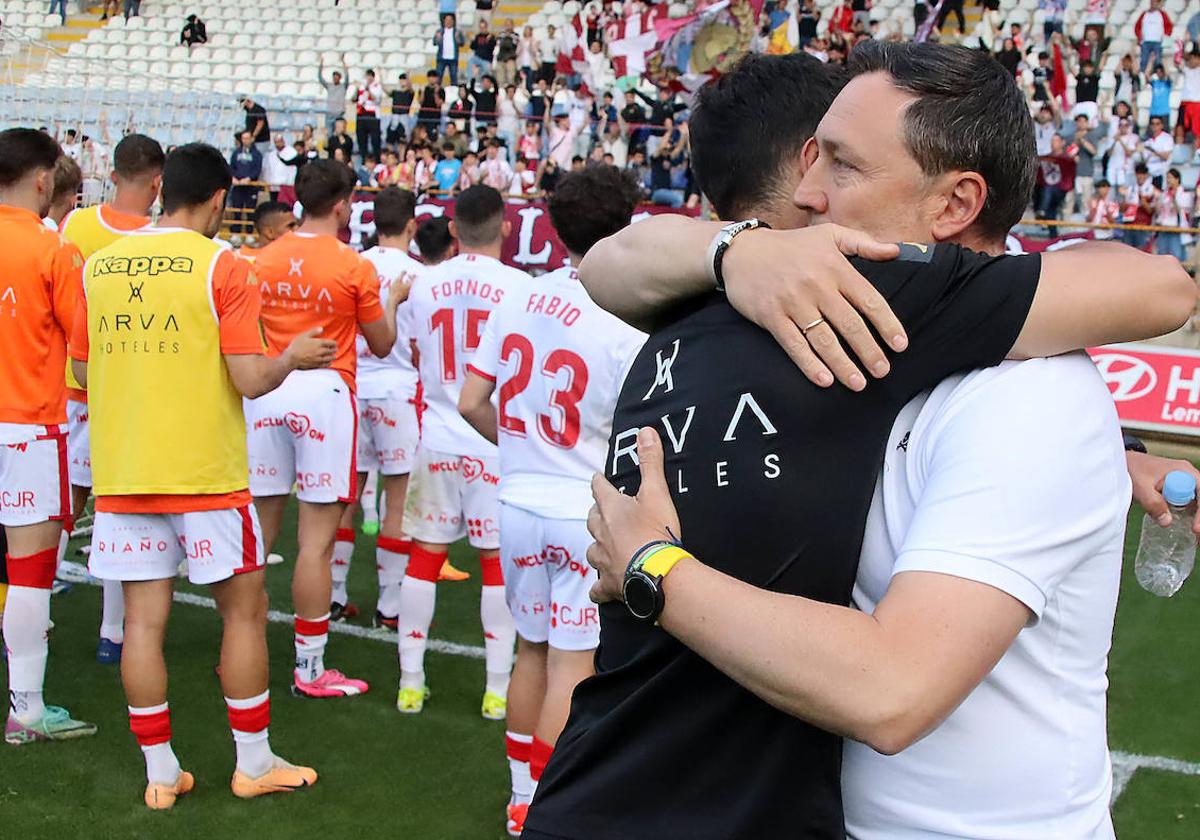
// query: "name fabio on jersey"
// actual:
[[552, 306]]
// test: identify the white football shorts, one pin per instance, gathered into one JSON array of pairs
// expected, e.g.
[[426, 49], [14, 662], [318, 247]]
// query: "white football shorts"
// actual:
[[451, 496]]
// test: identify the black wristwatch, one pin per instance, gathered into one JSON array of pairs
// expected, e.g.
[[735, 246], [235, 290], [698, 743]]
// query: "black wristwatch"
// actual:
[[720, 244], [1133, 444], [643, 579]]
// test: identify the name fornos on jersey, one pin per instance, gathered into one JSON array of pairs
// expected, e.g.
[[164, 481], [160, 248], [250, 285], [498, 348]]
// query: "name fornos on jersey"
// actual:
[[394, 375], [451, 304], [559, 361]]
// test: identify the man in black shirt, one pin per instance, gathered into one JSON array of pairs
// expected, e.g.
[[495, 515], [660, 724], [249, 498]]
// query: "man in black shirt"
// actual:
[[256, 124], [401, 123], [772, 476], [340, 140], [483, 47], [483, 98]]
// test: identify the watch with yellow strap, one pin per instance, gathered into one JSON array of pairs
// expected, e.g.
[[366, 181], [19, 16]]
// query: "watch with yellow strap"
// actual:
[[644, 576]]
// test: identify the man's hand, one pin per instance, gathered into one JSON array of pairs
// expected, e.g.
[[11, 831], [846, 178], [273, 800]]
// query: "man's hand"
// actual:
[[621, 525], [398, 291], [307, 351], [786, 280], [1148, 473]]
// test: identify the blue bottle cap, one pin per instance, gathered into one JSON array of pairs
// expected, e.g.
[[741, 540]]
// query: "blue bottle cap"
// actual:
[[1179, 488]]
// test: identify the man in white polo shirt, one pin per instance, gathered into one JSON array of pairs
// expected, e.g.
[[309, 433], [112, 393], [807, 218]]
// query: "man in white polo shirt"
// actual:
[[970, 682]]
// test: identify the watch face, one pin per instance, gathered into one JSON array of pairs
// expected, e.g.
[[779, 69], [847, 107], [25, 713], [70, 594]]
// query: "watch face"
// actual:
[[641, 596]]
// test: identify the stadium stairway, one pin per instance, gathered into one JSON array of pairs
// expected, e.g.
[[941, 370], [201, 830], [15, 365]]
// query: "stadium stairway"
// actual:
[[33, 57]]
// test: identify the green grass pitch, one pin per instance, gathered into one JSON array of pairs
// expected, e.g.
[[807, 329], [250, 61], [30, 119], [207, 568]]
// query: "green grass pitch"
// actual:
[[442, 774]]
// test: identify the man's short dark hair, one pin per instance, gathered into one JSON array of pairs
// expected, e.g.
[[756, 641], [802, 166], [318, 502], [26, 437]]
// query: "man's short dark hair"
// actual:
[[1140, 168], [138, 155], [321, 184], [68, 178], [1175, 172], [593, 204], [968, 115], [433, 239], [447, 147], [478, 215], [192, 174], [1102, 182], [751, 125], [23, 150], [394, 209], [268, 209]]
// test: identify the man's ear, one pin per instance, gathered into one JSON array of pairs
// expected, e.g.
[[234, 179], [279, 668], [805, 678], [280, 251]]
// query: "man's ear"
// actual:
[[505, 229], [453, 230], [963, 196], [808, 155]]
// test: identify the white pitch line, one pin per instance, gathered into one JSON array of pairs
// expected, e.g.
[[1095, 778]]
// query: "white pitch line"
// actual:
[[76, 573], [1126, 764]]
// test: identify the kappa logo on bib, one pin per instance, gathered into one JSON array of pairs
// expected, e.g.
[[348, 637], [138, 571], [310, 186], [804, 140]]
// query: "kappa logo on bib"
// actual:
[[472, 469]]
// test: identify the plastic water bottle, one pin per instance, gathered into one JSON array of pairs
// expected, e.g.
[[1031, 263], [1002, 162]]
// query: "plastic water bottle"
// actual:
[[1166, 555]]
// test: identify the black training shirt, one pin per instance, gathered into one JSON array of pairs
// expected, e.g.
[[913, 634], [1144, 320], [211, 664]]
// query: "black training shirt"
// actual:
[[772, 477]]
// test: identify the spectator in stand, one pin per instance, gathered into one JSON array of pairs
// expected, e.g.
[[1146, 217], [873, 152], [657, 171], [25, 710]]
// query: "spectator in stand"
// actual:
[[614, 139], [1103, 209], [194, 32], [528, 53], [862, 12], [483, 101], [1055, 180], [368, 100], [94, 163], [1010, 58], [1151, 27], [365, 174], [1045, 127], [662, 189], [1091, 48], [560, 138], [1122, 155], [806, 24], [507, 46], [952, 7], [1087, 91], [448, 41], [1188, 121], [547, 177], [406, 170], [990, 29], [1042, 75], [256, 123], [539, 100], [1053, 12], [133, 8], [548, 49], [246, 162], [495, 171], [1173, 208], [71, 145], [277, 170], [529, 146], [1139, 207], [483, 51], [335, 91], [61, 5], [523, 183], [599, 74], [401, 120], [640, 171], [1127, 83], [842, 19], [1085, 144], [108, 9], [510, 107], [469, 175], [1156, 151], [433, 97], [456, 139], [1095, 18], [1160, 95], [340, 139], [484, 9], [446, 170]]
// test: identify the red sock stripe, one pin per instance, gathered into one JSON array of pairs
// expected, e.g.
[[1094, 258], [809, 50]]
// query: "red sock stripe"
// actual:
[[308, 627], [518, 750], [255, 719], [35, 571], [426, 565], [395, 545], [151, 729], [492, 573], [539, 756], [345, 535]]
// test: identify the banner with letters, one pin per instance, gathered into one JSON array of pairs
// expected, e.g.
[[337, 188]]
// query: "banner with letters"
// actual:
[[532, 245], [1155, 388]]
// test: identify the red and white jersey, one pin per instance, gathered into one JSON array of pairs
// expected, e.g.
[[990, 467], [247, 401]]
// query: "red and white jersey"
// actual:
[[558, 361], [394, 375], [451, 303]]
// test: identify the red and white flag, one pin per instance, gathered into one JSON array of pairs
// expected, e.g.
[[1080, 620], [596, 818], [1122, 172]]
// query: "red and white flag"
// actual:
[[631, 39], [572, 51]]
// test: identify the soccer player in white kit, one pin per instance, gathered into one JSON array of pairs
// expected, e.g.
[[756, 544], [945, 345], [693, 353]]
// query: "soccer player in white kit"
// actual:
[[388, 424], [456, 475], [558, 360]]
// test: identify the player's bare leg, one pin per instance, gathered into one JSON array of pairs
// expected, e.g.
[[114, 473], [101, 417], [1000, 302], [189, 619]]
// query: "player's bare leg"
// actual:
[[526, 691], [144, 677], [31, 563], [499, 635], [311, 588], [270, 518], [242, 602]]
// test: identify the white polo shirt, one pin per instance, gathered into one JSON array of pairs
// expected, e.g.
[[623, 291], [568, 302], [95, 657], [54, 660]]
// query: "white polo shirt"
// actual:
[[1015, 477]]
